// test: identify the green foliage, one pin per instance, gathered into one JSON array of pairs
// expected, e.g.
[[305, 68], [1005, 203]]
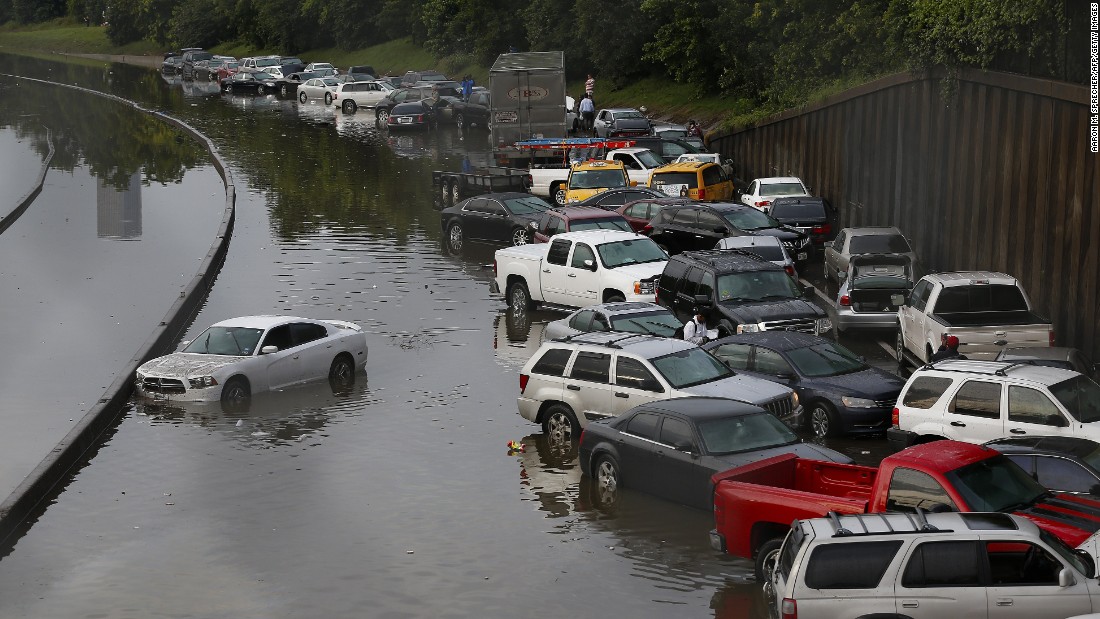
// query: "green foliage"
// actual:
[[198, 23], [32, 11]]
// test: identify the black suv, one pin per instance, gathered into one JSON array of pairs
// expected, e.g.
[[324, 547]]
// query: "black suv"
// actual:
[[740, 292], [814, 216], [694, 226]]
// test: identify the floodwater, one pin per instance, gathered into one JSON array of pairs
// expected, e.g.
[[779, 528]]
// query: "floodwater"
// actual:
[[398, 499]]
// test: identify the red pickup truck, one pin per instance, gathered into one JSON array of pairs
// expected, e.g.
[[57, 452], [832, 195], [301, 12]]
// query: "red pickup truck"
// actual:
[[755, 504]]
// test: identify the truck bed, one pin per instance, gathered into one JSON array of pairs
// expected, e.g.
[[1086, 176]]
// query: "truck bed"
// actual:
[[789, 473], [991, 320]]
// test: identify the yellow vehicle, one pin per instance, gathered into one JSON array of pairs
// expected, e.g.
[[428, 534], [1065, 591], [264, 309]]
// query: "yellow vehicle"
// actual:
[[588, 178], [705, 181]]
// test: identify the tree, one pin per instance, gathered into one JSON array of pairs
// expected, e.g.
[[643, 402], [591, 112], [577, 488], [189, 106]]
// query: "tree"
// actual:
[[198, 23]]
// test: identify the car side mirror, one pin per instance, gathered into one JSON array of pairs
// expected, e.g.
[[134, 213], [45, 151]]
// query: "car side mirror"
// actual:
[[633, 183], [720, 230], [828, 244], [267, 350], [1066, 578], [682, 446], [897, 299], [590, 265], [701, 299], [843, 275], [1056, 420]]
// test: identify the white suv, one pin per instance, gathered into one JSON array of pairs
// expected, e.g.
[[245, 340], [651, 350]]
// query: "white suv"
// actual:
[[978, 401], [570, 381], [351, 96], [928, 567]]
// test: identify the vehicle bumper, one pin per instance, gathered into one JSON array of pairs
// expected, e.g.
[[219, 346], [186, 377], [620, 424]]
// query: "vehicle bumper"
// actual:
[[900, 439], [528, 408], [864, 420], [494, 287], [209, 394], [717, 541], [847, 320]]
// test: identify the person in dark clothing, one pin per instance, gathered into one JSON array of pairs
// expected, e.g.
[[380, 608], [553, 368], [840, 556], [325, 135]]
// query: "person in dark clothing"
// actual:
[[949, 350]]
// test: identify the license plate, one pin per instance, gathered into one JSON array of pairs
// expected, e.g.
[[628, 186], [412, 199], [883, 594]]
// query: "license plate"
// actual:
[[802, 256], [160, 397], [404, 121]]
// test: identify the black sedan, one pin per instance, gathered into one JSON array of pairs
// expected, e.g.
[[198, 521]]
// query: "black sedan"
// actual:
[[671, 448], [1060, 463], [416, 115], [841, 393], [697, 226], [614, 198], [249, 83], [810, 215], [494, 217]]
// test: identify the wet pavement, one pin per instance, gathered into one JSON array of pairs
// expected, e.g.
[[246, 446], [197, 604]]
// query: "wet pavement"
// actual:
[[398, 499]]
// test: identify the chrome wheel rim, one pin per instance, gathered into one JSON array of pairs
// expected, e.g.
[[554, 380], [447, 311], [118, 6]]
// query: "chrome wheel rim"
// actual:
[[559, 196], [819, 419], [455, 237], [342, 373], [519, 299], [519, 237], [607, 481]]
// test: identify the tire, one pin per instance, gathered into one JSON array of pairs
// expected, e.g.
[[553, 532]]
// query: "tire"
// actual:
[[341, 374], [615, 298], [302, 97], [520, 237], [229, 89], [823, 420], [446, 193], [460, 121], [560, 424], [328, 98], [518, 296], [455, 237], [348, 106], [455, 191], [284, 90], [557, 192], [608, 480], [259, 90], [236, 393], [899, 348], [382, 117], [766, 558]]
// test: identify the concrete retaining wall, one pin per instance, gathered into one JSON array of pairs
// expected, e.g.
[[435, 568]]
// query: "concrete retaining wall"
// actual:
[[7, 220]]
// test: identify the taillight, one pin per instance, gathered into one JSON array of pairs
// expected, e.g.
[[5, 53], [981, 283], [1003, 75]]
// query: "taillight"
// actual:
[[895, 416], [419, 118], [823, 229], [581, 439], [1051, 337], [845, 300], [523, 378], [702, 194], [494, 267], [647, 229], [762, 203], [789, 269], [789, 609]]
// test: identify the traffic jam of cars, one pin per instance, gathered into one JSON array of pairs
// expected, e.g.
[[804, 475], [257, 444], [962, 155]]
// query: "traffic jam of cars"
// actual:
[[691, 360]]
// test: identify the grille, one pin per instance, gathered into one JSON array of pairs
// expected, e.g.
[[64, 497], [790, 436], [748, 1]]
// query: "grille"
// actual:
[[152, 384], [796, 244], [886, 403], [781, 407], [805, 325]]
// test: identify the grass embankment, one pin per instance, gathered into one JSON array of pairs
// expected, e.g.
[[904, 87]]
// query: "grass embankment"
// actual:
[[664, 99]]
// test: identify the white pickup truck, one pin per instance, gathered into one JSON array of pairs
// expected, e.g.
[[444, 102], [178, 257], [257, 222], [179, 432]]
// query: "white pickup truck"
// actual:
[[550, 181], [578, 269], [987, 311]]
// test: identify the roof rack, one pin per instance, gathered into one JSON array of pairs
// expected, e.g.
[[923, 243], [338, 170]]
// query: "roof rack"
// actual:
[[1003, 371], [917, 520], [614, 343]]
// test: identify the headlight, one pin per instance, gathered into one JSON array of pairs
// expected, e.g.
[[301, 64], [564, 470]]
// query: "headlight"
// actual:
[[794, 400], [851, 402], [750, 328], [823, 325], [202, 382], [644, 287]]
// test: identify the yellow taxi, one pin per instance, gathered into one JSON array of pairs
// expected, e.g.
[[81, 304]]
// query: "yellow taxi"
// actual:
[[588, 178], [705, 181]]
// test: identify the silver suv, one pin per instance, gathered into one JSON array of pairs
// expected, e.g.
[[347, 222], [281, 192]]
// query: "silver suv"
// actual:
[[570, 381], [928, 566]]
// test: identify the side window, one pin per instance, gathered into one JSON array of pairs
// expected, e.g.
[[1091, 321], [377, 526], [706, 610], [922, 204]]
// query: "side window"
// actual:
[[685, 217], [279, 336], [1021, 563], [770, 362], [925, 391], [553, 362], [493, 208], [582, 321], [1063, 475], [942, 564], [599, 323], [1033, 406], [753, 188], [712, 175], [558, 252], [911, 489], [1026, 462], [593, 366], [557, 225], [643, 425], [736, 356], [631, 373], [919, 297], [706, 285], [676, 432], [477, 205], [304, 332], [674, 270], [664, 216], [838, 242], [691, 282], [710, 222], [639, 210], [853, 565], [401, 96], [977, 398], [581, 253]]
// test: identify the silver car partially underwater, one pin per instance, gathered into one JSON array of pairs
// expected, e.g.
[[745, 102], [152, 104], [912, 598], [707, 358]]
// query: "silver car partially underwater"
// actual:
[[872, 289]]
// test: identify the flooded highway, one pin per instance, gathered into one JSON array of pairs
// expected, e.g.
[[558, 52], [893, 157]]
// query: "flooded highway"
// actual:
[[399, 498]]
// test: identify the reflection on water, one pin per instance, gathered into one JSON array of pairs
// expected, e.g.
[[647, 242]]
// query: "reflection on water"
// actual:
[[118, 211]]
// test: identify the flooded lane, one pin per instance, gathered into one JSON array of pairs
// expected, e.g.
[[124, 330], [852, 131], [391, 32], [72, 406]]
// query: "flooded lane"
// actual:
[[398, 499]]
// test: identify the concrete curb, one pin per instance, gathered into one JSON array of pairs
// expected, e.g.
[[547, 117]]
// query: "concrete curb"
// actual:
[[7, 220], [26, 501]]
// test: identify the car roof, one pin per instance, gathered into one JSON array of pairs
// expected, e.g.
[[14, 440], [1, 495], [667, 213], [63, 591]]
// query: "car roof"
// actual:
[[683, 166], [1074, 446], [260, 322], [600, 236], [866, 230], [776, 340], [703, 408], [1052, 353], [731, 260], [779, 179], [751, 240], [623, 307], [619, 109], [584, 212], [648, 346], [875, 526], [965, 278], [1037, 373]]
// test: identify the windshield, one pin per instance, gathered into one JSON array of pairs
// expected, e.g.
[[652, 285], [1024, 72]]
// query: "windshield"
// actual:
[[691, 367], [650, 159], [260, 76], [782, 189], [609, 223], [634, 251], [996, 485], [526, 206], [745, 433], [798, 211], [825, 360], [757, 286], [232, 341], [328, 81], [671, 133], [750, 219], [1081, 397], [878, 244], [771, 253], [597, 179], [658, 322], [268, 62]]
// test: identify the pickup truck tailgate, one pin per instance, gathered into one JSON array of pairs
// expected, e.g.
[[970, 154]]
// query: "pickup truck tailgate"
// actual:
[[984, 342]]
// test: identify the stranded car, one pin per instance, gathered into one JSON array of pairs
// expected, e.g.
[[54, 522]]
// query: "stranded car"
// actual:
[[494, 217], [235, 358], [647, 318]]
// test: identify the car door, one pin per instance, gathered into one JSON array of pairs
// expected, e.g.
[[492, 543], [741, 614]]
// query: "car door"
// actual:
[[770, 365], [602, 123], [679, 231], [555, 271], [831, 249], [709, 230], [634, 384], [637, 457], [477, 219], [684, 304], [637, 215], [1032, 413], [498, 221], [942, 579], [590, 378], [912, 315], [314, 349], [677, 476], [583, 277], [1023, 582], [281, 367], [749, 196], [974, 412]]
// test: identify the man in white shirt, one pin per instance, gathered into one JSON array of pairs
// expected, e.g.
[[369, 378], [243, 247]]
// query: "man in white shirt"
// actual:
[[695, 330], [588, 112]]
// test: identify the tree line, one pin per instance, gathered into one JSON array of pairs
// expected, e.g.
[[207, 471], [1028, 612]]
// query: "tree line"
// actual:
[[766, 51]]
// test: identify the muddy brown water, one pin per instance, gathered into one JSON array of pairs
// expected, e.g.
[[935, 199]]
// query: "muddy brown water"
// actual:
[[398, 499]]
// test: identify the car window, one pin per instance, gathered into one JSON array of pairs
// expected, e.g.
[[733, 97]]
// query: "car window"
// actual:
[[825, 359], [1063, 475], [691, 282], [676, 432], [639, 250], [639, 210], [592, 366], [710, 222], [632, 373], [995, 485], [305, 332], [910, 489], [983, 298], [735, 356], [1019, 563], [476, 205], [977, 398], [279, 337], [614, 222], [1081, 397], [599, 323], [552, 362], [918, 299], [582, 253], [925, 391], [674, 270], [643, 425], [528, 205], [712, 175], [743, 433], [855, 565], [771, 362], [942, 564], [686, 217], [1032, 406], [1024, 461], [558, 252], [582, 320], [492, 208], [690, 367]]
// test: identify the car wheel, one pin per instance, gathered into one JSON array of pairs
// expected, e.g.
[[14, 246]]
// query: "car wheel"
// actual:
[[383, 117], [348, 107], [455, 191], [455, 237], [519, 237], [302, 97], [615, 298], [236, 393], [460, 121], [560, 424], [229, 88], [284, 90], [259, 90], [608, 481], [328, 98], [341, 374], [518, 296], [766, 559], [899, 348], [557, 191], [823, 420]]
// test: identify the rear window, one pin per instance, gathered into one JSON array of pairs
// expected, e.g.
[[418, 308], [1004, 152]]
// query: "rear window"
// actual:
[[771, 253], [850, 565], [878, 244], [552, 362], [781, 189], [608, 223], [925, 391], [675, 178], [980, 298]]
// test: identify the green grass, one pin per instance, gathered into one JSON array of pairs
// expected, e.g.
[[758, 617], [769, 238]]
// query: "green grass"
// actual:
[[65, 37]]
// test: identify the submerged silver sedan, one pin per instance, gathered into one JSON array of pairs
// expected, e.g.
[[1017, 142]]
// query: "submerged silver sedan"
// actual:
[[235, 358]]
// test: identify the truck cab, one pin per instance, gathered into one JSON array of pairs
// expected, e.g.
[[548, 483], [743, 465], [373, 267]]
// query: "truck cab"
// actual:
[[588, 178]]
